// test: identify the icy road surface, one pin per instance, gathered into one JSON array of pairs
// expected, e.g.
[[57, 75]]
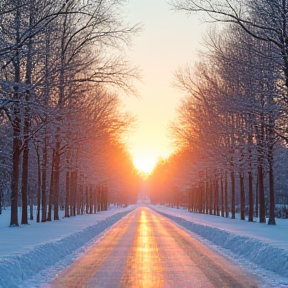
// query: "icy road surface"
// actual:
[[145, 249]]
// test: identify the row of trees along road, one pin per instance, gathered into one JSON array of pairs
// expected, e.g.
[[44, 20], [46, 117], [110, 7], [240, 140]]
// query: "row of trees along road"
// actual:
[[232, 125], [60, 117]]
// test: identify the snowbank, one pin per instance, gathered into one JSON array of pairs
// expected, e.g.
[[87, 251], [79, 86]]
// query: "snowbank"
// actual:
[[17, 267], [32, 249], [261, 251]]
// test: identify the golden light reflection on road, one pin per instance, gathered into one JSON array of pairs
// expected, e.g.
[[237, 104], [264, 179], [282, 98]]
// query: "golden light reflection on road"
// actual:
[[143, 267], [146, 250], [82, 270]]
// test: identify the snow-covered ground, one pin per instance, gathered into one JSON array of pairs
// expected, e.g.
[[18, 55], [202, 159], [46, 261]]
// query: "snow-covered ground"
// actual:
[[31, 254], [28, 250], [260, 248]]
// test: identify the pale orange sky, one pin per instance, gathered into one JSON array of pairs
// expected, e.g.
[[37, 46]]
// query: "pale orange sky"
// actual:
[[169, 40]]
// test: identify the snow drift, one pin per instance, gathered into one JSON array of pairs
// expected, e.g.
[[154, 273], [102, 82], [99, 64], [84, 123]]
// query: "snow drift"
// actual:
[[259, 252], [16, 268]]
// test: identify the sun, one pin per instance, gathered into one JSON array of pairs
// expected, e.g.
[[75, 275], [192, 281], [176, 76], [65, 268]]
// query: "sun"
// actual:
[[144, 163]]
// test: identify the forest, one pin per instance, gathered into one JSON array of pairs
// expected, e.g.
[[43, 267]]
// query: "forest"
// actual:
[[231, 126], [63, 128], [63, 73]]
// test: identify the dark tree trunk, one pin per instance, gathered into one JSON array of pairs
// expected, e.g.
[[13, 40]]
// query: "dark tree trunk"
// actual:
[[25, 162], [44, 184], [261, 195], [251, 204], [31, 209], [242, 197], [24, 187], [15, 173], [250, 176], [56, 179], [38, 186], [91, 200], [94, 196], [206, 194], [105, 197], [16, 125], [216, 206], [67, 198], [81, 192], [222, 196], [25, 167], [232, 194], [211, 197], [271, 220], [51, 194], [73, 189], [257, 197], [87, 199], [271, 138], [260, 148], [226, 194], [78, 194]]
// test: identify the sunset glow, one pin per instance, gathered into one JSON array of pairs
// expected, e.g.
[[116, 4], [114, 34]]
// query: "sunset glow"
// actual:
[[144, 163], [158, 53]]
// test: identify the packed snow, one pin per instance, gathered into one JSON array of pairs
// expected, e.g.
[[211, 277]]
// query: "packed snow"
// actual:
[[31, 254], [28, 250], [259, 247]]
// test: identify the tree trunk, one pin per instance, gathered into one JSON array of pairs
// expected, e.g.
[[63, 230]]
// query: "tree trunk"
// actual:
[[44, 184], [242, 196], [39, 185], [67, 198], [250, 176], [25, 163], [31, 210], [15, 169], [76, 196], [261, 195], [51, 194], [105, 197], [206, 194], [232, 194], [211, 196], [216, 204], [222, 195], [87, 198], [73, 189], [226, 194], [91, 200], [24, 187], [271, 139], [81, 200], [260, 168], [271, 220], [56, 179], [257, 197], [251, 204], [16, 125]]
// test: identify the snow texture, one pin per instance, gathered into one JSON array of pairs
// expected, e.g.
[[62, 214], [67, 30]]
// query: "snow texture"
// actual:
[[17, 267], [266, 255], [30, 250]]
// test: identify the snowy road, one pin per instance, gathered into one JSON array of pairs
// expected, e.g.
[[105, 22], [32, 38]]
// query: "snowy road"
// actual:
[[145, 249]]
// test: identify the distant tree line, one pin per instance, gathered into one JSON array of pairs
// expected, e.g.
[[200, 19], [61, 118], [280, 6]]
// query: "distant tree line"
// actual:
[[231, 127], [61, 120]]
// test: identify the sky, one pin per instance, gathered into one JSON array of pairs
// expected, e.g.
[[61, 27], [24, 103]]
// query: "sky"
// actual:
[[169, 40]]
